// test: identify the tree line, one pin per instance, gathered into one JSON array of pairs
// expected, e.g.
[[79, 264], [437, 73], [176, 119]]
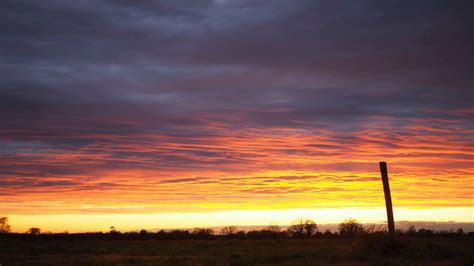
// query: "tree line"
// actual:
[[299, 229]]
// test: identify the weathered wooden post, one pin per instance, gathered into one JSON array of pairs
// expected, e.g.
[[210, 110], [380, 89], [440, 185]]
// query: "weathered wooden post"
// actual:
[[388, 198]]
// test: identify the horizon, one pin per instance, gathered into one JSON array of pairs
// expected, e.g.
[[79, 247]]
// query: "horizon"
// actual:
[[436, 226], [215, 112], [258, 218]]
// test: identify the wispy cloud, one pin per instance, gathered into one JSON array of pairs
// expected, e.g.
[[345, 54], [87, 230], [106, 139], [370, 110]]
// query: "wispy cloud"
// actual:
[[237, 104]]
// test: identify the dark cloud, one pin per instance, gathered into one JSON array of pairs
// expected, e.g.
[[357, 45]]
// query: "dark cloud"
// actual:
[[87, 76], [32, 183]]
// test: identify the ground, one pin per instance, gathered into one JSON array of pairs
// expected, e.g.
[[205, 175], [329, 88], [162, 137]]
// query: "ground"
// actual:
[[415, 251]]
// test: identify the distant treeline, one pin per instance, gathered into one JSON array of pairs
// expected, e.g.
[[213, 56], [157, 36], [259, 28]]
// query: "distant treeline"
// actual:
[[300, 229]]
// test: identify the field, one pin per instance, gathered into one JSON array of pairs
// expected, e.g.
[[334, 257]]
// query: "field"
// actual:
[[409, 251]]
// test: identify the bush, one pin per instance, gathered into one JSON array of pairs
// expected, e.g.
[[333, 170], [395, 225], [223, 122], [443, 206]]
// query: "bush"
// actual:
[[350, 228], [302, 228], [375, 245]]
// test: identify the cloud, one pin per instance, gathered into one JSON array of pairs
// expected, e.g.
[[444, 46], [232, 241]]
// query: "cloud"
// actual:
[[137, 96], [179, 180]]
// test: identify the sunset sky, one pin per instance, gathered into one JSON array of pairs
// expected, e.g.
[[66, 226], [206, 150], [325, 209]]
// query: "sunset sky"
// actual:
[[166, 114]]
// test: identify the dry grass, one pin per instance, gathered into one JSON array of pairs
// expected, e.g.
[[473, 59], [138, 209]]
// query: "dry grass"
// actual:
[[409, 251]]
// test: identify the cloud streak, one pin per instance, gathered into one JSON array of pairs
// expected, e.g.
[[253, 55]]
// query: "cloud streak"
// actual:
[[234, 105]]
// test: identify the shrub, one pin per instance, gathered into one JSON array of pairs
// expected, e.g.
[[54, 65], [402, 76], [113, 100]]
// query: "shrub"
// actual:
[[375, 245], [350, 228], [302, 228]]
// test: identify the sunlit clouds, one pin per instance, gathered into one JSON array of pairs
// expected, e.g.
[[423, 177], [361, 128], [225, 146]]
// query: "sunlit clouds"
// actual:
[[153, 108], [232, 168]]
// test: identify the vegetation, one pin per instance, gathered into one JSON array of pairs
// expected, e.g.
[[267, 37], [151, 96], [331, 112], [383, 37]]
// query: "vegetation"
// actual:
[[4, 226], [229, 230], [350, 228], [300, 244], [103, 250], [34, 231], [302, 228]]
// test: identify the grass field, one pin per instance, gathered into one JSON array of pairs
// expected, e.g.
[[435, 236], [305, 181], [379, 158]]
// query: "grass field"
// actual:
[[413, 251]]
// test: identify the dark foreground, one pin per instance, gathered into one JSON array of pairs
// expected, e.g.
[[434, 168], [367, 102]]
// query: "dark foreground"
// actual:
[[407, 251]]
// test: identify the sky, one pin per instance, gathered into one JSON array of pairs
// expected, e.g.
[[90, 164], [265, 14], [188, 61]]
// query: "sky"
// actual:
[[205, 113]]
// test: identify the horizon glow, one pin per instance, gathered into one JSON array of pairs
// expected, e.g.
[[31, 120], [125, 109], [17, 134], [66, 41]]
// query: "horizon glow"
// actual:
[[57, 223], [233, 112]]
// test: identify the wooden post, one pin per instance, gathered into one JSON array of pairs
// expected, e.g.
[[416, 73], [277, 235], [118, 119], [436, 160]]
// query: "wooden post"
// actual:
[[388, 198]]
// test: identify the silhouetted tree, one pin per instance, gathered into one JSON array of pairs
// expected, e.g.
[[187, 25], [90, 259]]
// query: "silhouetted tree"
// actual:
[[273, 228], [202, 233], [4, 226], [399, 232], [113, 230], [460, 231], [241, 234], [301, 228], [310, 228], [327, 233], [178, 234], [34, 231], [258, 234], [229, 230], [350, 228], [271, 231], [296, 229], [411, 231], [375, 229], [425, 232], [161, 234]]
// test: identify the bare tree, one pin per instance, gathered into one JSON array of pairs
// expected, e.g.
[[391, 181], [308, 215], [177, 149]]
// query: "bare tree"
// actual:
[[375, 229], [229, 230], [350, 228], [296, 229], [34, 231], [4, 226], [274, 228], [302, 228]]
